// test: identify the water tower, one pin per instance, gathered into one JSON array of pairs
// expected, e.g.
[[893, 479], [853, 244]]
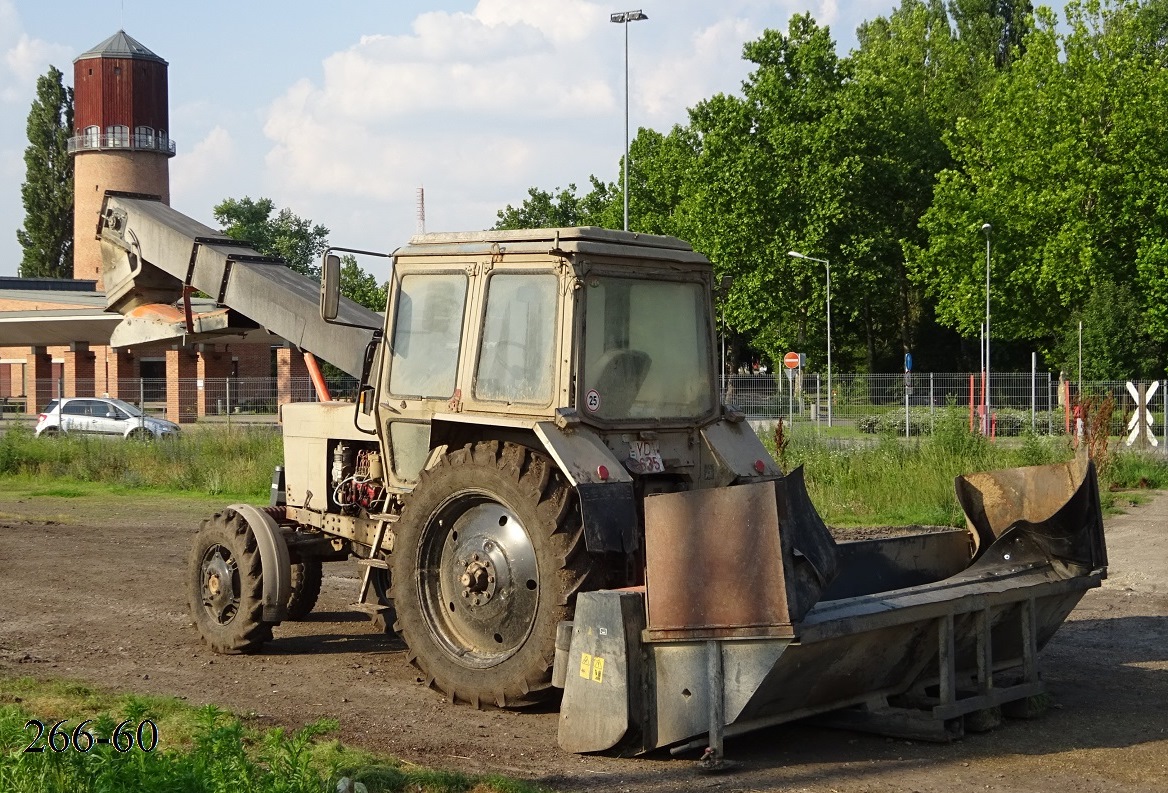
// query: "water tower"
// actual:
[[121, 139]]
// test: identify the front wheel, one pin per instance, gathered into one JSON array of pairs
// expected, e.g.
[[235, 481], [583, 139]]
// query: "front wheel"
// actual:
[[489, 555], [225, 586]]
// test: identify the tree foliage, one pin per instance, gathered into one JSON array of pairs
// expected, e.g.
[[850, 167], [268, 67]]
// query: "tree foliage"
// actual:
[[294, 239], [362, 287], [949, 114], [47, 193], [299, 242]]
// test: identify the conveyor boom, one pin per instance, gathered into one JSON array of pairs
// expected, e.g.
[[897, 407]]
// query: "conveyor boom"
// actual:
[[151, 253]]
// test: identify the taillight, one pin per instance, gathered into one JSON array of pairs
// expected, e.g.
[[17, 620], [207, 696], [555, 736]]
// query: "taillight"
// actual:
[[42, 417]]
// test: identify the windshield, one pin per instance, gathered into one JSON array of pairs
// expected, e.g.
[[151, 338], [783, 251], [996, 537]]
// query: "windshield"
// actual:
[[646, 349], [126, 406]]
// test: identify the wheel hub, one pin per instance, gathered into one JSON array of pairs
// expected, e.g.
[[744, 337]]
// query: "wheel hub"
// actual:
[[220, 589], [479, 581]]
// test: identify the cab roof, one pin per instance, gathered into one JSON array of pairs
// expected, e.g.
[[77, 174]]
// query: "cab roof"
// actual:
[[558, 241]]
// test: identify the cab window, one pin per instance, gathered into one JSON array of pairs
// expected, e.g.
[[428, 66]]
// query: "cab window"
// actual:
[[426, 335], [517, 356]]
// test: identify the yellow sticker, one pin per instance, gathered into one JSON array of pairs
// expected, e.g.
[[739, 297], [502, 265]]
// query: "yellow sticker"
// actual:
[[586, 665], [597, 669]]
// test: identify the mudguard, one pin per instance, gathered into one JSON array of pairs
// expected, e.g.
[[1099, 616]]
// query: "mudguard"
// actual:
[[277, 567]]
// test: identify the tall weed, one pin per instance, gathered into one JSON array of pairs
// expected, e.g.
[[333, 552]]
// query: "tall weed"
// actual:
[[210, 461]]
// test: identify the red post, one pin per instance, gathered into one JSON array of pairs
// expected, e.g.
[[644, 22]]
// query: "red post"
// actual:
[[971, 403], [1067, 405]]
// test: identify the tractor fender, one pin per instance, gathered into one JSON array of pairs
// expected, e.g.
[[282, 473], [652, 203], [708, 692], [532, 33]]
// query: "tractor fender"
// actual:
[[274, 560], [608, 506]]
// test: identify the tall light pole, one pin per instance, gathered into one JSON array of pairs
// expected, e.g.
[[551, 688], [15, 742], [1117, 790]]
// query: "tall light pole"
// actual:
[[986, 229], [624, 18], [826, 265]]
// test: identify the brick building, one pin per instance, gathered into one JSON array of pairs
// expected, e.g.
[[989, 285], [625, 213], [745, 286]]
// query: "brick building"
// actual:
[[55, 333]]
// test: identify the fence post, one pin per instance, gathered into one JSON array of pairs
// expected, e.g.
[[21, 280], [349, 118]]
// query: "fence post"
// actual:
[[228, 390], [1050, 409], [932, 407], [907, 388], [818, 401], [1033, 392]]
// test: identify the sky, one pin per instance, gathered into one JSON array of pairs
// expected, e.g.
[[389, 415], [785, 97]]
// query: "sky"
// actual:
[[341, 111]]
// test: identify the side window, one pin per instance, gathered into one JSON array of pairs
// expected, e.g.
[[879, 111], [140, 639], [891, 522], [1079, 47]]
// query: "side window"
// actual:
[[517, 357], [426, 335], [74, 408]]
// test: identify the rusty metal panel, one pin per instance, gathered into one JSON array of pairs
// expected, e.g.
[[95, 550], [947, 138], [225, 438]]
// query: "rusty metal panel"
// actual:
[[714, 563]]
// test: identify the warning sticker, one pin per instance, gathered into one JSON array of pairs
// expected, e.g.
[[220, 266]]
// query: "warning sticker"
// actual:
[[597, 669], [586, 665], [592, 401]]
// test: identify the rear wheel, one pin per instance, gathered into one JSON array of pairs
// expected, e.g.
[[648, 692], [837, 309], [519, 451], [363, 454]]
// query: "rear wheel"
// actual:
[[225, 586], [488, 557], [307, 576]]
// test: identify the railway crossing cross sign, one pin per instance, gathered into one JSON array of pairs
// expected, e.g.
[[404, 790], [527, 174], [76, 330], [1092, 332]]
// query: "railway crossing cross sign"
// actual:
[[1142, 431]]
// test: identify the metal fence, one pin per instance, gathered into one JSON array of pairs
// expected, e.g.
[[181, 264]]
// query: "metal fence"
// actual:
[[868, 403], [880, 402], [196, 398]]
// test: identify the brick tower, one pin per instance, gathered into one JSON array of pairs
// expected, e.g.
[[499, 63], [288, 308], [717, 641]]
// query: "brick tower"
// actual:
[[121, 120]]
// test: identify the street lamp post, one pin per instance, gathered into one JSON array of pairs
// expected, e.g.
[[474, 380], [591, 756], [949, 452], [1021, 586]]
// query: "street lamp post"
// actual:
[[624, 18], [827, 266], [986, 229]]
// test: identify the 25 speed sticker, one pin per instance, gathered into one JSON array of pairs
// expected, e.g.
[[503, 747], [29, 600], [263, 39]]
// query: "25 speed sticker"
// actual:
[[59, 738]]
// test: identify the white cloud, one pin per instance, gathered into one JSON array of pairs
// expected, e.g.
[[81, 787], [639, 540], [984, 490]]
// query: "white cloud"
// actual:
[[203, 163], [683, 78], [458, 100], [24, 58]]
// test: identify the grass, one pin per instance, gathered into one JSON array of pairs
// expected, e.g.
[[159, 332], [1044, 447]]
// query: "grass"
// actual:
[[200, 750], [893, 481], [874, 481], [227, 462]]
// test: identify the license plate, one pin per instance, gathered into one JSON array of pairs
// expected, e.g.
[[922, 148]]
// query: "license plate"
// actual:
[[648, 454]]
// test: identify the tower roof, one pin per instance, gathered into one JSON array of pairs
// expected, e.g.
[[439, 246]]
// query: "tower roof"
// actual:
[[120, 45]]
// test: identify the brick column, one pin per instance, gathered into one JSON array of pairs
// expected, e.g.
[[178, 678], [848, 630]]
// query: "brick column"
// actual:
[[214, 367], [291, 373], [38, 379], [181, 388], [121, 367], [79, 370]]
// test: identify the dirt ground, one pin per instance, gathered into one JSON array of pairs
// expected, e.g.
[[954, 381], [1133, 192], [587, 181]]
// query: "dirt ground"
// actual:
[[96, 594]]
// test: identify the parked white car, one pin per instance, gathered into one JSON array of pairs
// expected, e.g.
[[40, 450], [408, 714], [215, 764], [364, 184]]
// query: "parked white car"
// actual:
[[101, 416]]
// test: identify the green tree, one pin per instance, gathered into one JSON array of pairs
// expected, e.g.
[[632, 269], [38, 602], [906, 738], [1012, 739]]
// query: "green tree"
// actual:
[[294, 239], [1116, 345], [47, 192], [362, 287], [1067, 161], [562, 208]]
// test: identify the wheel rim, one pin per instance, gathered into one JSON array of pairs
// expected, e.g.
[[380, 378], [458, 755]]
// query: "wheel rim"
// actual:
[[220, 584], [478, 580]]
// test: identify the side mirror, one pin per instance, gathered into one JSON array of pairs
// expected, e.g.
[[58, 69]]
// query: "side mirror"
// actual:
[[330, 287]]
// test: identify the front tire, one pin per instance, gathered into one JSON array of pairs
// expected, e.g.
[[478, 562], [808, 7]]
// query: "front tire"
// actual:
[[225, 586], [488, 557]]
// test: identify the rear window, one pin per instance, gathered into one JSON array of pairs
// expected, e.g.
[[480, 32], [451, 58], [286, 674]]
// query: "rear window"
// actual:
[[49, 408]]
